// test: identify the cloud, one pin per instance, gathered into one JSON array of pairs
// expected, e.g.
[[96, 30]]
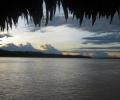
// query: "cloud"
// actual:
[[100, 54], [59, 30], [21, 47], [114, 54], [57, 21], [105, 49], [103, 39], [5, 35], [96, 54], [101, 25], [91, 49], [91, 53], [50, 49]]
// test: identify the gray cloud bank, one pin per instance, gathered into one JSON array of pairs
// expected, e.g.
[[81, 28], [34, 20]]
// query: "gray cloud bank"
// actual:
[[104, 39]]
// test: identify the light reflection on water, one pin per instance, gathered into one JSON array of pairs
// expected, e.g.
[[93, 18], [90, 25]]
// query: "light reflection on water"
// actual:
[[59, 79]]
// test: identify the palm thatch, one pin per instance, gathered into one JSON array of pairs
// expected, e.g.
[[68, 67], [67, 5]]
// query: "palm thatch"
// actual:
[[11, 10]]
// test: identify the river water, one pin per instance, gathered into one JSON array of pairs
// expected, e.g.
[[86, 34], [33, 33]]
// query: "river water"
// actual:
[[59, 79]]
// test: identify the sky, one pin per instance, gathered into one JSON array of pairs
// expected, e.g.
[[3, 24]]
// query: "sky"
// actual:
[[66, 36]]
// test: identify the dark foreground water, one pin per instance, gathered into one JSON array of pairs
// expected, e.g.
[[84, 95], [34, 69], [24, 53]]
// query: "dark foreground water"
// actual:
[[59, 79]]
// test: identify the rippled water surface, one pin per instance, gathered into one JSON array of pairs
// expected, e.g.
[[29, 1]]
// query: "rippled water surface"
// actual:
[[59, 79]]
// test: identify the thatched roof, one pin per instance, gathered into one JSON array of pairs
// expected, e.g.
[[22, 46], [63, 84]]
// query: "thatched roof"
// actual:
[[11, 10]]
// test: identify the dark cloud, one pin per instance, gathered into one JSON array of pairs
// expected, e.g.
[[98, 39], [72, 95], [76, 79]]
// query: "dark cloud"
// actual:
[[21, 47], [5, 35], [50, 49], [101, 26], [90, 48], [103, 39], [28, 47], [105, 49]]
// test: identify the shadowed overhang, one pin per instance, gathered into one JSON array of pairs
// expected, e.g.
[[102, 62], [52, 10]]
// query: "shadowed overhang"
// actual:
[[10, 10]]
